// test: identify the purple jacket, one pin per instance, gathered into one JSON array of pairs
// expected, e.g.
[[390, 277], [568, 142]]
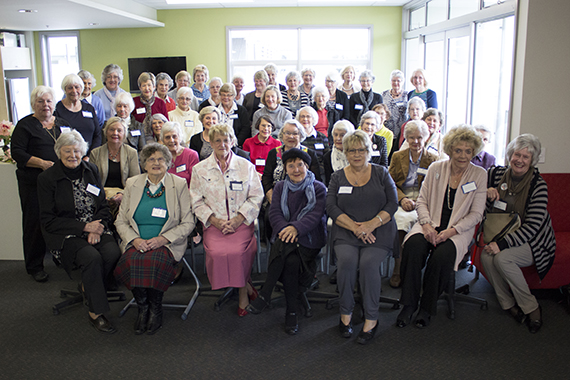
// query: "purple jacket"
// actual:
[[313, 222], [484, 160]]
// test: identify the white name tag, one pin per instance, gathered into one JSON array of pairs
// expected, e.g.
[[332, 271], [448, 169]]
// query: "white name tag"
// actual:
[[158, 212], [358, 107], [375, 153], [64, 129], [93, 189], [141, 110], [236, 186], [87, 114], [469, 187], [500, 205], [189, 123], [234, 116], [180, 168], [345, 190], [135, 132], [432, 150], [319, 146], [422, 171], [339, 106], [260, 162], [401, 104]]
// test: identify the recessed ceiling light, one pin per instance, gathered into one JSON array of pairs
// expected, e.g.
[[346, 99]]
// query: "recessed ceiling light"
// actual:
[[27, 10], [93, 23], [191, 2]]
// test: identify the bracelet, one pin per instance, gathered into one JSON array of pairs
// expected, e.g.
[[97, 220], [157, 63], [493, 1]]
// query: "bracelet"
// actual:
[[381, 221]]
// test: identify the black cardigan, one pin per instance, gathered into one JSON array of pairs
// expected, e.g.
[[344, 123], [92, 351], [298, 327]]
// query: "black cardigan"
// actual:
[[354, 104]]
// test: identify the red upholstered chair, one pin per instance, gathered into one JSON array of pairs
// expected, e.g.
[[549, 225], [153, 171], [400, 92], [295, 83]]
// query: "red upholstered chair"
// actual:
[[559, 273]]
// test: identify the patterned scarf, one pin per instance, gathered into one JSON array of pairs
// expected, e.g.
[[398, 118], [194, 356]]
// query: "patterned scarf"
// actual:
[[307, 185], [366, 103], [147, 122], [338, 160], [111, 96]]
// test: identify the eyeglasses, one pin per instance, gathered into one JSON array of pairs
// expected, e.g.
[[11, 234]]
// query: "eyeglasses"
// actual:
[[295, 134], [186, 99], [359, 151], [159, 160]]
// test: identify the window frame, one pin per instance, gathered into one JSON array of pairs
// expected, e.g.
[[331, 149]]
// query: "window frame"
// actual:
[[45, 53]]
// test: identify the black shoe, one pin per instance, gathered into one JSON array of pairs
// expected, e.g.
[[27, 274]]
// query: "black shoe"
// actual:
[[40, 276], [405, 316], [257, 305], [517, 314], [291, 324], [103, 325], [366, 337], [155, 311], [332, 279], [535, 324], [345, 330], [141, 322], [423, 319]]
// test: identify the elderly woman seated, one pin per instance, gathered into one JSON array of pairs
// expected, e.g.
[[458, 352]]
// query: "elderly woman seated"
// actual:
[[363, 101], [233, 114], [163, 84], [434, 144], [116, 162], [408, 169], [75, 221], [226, 196], [261, 144], [154, 222], [315, 140], [152, 131], [484, 159], [271, 99], [293, 99], [111, 77], [519, 188], [123, 106], [416, 109], [183, 158], [327, 114], [370, 124], [335, 159], [188, 119], [214, 98], [450, 204], [297, 215], [147, 104]]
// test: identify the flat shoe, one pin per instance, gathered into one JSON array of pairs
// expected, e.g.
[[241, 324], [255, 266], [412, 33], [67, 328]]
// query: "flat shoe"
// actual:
[[101, 324], [291, 324], [535, 324], [519, 316], [40, 276], [345, 330], [366, 337], [423, 319], [405, 316]]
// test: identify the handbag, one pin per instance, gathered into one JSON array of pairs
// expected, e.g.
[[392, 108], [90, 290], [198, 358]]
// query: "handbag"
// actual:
[[499, 224]]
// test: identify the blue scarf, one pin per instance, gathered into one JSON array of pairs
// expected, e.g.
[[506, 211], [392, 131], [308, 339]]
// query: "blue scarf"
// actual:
[[307, 185]]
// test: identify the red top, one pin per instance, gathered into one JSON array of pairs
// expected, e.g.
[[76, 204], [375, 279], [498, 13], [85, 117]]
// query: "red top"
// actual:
[[259, 151], [170, 104], [323, 124], [183, 164], [159, 106]]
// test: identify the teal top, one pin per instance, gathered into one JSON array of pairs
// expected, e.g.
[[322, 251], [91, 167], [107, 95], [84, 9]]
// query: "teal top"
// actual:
[[151, 215]]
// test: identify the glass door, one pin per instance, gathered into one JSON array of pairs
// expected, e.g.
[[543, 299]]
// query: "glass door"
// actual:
[[458, 74]]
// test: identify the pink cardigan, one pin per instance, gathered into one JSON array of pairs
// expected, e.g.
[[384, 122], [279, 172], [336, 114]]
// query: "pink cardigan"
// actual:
[[467, 210]]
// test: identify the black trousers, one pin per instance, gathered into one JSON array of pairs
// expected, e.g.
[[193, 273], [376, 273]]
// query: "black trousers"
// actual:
[[440, 262], [34, 244], [96, 263]]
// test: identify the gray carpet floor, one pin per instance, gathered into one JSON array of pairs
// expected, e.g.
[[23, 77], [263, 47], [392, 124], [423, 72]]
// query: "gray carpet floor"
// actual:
[[35, 344]]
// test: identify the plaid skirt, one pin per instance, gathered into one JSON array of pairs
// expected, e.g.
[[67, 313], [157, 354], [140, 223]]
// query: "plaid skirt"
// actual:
[[152, 269]]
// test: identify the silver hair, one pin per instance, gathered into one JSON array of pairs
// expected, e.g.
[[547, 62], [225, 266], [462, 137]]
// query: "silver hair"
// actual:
[[357, 137], [114, 120], [371, 115], [333, 75], [238, 76], [85, 75], [184, 91], [152, 148], [124, 98], [321, 90], [261, 74], [40, 91], [111, 68], [308, 70], [482, 128], [229, 88], [159, 116], [208, 110], [170, 126], [222, 130], [311, 111], [72, 79], [164, 76], [296, 124], [397, 74], [417, 126], [215, 79], [433, 112], [528, 141], [293, 74], [73, 138], [423, 72], [416, 100], [271, 67], [367, 74], [343, 125]]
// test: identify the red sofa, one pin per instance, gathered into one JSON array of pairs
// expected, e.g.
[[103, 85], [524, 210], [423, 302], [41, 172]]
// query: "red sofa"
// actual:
[[559, 273]]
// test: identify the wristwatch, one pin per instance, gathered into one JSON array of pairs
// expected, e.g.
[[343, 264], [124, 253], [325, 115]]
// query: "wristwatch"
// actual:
[[381, 221]]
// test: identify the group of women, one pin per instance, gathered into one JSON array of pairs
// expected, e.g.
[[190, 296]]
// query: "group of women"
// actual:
[[79, 193]]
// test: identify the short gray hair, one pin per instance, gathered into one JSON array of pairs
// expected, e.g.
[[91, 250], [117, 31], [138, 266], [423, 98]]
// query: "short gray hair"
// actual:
[[164, 76], [40, 91], [114, 120], [215, 79], [72, 79], [85, 75], [261, 74], [222, 130], [109, 69], [238, 76], [296, 124], [124, 98], [152, 148], [343, 125], [528, 141], [482, 128], [333, 75], [371, 115], [462, 133], [308, 70], [321, 90], [229, 88], [270, 67], [358, 137], [420, 126], [184, 91], [397, 74], [159, 116], [418, 101], [423, 72], [311, 111], [73, 138], [171, 126], [367, 74], [293, 74], [208, 110]]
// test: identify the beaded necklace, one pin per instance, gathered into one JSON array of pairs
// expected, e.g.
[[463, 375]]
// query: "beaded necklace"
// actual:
[[147, 191]]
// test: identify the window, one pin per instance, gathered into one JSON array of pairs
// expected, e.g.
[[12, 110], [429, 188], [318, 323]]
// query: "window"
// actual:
[[462, 7], [418, 18], [436, 11], [60, 56], [294, 48]]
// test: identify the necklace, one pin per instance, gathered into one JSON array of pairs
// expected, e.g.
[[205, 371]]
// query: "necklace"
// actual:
[[449, 205], [50, 134], [147, 190], [294, 97], [395, 94], [355, 175], [113, 157]]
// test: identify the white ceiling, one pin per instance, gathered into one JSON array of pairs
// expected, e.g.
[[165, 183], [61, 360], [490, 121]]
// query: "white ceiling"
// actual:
[[92, 14]]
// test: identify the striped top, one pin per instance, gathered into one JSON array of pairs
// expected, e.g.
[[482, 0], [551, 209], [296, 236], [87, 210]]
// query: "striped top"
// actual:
[[536, 228], [294, 106]]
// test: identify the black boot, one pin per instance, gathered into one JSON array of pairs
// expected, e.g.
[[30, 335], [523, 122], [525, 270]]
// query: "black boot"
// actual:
[[140, 295], [155, 318]]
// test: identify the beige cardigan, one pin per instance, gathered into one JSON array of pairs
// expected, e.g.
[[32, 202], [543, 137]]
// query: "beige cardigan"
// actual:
[[467, 210], [180, 218], [129, 162]]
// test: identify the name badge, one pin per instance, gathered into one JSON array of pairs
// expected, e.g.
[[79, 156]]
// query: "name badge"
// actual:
[[339, 106], [260, 162], [432, 150], [64, 129], [401, 104], [189, 123], [93, 189], [180, 168], [345, 190], [158, 212], [422, 171], [500, 205], [141, 110], [87, 114], [135, 132], [469, 187], [233, 116], [319, 146], [375, 153], [358, 107], [236, 185]]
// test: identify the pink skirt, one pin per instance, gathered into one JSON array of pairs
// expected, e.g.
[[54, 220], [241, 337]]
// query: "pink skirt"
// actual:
[[229, 257]]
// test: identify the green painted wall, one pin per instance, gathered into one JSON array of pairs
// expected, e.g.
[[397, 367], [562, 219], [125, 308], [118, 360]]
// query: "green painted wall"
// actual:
[[200, 34]]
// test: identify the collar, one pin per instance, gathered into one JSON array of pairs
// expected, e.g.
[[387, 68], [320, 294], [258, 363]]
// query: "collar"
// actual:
[[257, 142], [228, 161], [222, 110], [419, 158], [154, 187]]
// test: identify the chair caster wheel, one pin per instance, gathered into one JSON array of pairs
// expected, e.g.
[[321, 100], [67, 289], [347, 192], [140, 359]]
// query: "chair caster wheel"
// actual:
[[55, 311], [396, 306]]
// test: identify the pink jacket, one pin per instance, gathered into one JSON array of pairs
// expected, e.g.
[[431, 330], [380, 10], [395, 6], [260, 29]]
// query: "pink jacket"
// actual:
[[467, 210]]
